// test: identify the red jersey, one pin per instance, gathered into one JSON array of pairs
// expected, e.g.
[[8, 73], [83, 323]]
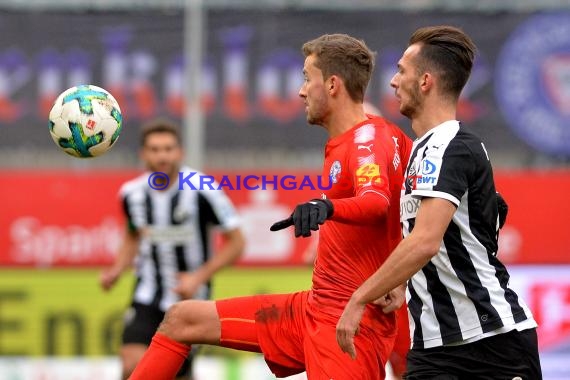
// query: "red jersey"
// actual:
[[366, 167]]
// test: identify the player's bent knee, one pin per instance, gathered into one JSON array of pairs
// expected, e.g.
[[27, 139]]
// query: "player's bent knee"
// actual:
[[173, 320], [192, 322]]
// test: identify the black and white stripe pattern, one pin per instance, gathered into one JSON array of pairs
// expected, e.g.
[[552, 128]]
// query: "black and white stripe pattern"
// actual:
[[173, 225], [462, 294]]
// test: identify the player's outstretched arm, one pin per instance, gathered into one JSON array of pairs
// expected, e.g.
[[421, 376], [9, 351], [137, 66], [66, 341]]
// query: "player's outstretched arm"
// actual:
[[231, 250], [124, 260], [307, 217], [415, 251]]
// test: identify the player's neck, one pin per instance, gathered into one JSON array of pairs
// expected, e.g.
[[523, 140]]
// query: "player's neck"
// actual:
[[344, 118], [432, 115]]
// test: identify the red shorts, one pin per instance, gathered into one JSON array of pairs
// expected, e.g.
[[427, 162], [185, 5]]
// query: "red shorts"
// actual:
[[294, 340]]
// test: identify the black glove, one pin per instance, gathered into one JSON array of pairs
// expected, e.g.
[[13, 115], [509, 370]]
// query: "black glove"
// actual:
[[306, 217], [503, 210]]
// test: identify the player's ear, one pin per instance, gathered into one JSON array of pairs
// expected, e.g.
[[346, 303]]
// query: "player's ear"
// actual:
[[426, 81], [333, 84]]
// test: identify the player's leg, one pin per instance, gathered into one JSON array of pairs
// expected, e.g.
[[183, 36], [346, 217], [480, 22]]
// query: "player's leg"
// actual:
[[130, 354], [243, 320], [186, 370], [271, 324], [140, 324], [185, 323]]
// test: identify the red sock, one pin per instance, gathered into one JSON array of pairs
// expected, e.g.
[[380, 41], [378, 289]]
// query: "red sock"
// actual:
[[162, 360]]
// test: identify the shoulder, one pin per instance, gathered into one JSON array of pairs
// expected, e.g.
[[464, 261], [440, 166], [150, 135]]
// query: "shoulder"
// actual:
[[466, 140], [443, 139], [385, 127], [134, 185]]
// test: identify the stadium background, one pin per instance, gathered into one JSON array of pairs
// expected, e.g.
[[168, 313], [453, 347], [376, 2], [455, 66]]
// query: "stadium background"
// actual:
[[59, 216]]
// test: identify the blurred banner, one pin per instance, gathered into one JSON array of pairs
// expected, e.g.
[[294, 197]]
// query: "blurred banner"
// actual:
[[516, 99], [204, 368], [62, 314], [66, 218]]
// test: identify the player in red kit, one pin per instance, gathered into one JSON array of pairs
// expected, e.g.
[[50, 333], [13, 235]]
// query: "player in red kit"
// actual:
[[358, 217]]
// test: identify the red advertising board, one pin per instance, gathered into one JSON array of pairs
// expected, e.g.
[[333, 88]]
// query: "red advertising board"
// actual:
[[73, 218], [53, 218], [69, 218], [537, 225]]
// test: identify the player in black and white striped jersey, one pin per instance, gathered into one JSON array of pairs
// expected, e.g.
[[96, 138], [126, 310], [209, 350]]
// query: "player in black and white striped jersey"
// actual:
[[465, 321], [168, 232]]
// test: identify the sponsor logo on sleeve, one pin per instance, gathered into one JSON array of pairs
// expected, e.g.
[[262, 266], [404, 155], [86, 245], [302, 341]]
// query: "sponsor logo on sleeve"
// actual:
[[396, 160], [335, 171], [368, 174], [428, 167], [408, 207], [367, 147], [426, 176], [411, 177]]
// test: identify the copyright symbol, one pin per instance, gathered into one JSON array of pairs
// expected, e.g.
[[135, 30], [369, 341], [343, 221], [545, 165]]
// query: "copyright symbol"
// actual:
[[158, 181]]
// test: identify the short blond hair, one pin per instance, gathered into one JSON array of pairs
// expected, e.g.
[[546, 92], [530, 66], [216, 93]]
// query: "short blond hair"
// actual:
[[345, 56]]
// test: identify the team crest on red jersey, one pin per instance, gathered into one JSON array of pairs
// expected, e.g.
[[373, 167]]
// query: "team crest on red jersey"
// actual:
[[334, 172]]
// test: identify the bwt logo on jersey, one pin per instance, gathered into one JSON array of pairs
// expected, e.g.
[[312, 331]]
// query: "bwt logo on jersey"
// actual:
[[425, 180], [428, 167]]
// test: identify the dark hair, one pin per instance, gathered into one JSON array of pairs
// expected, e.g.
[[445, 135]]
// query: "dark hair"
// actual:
[[160, 125], [345, 56], [448, 51]]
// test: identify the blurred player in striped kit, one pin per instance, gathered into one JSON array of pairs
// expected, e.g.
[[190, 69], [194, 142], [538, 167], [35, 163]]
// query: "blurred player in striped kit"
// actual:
[[168, 233]]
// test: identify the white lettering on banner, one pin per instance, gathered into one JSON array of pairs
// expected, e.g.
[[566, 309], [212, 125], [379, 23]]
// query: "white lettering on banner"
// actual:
[[44, 244]]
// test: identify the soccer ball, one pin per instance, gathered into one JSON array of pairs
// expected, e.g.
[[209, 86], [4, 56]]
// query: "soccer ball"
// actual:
[[85, 121]]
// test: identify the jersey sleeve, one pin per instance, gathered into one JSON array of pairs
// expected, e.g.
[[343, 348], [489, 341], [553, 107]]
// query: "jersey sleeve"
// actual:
[[444, 171], [368, 168], [216, 208], [131, 227]]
